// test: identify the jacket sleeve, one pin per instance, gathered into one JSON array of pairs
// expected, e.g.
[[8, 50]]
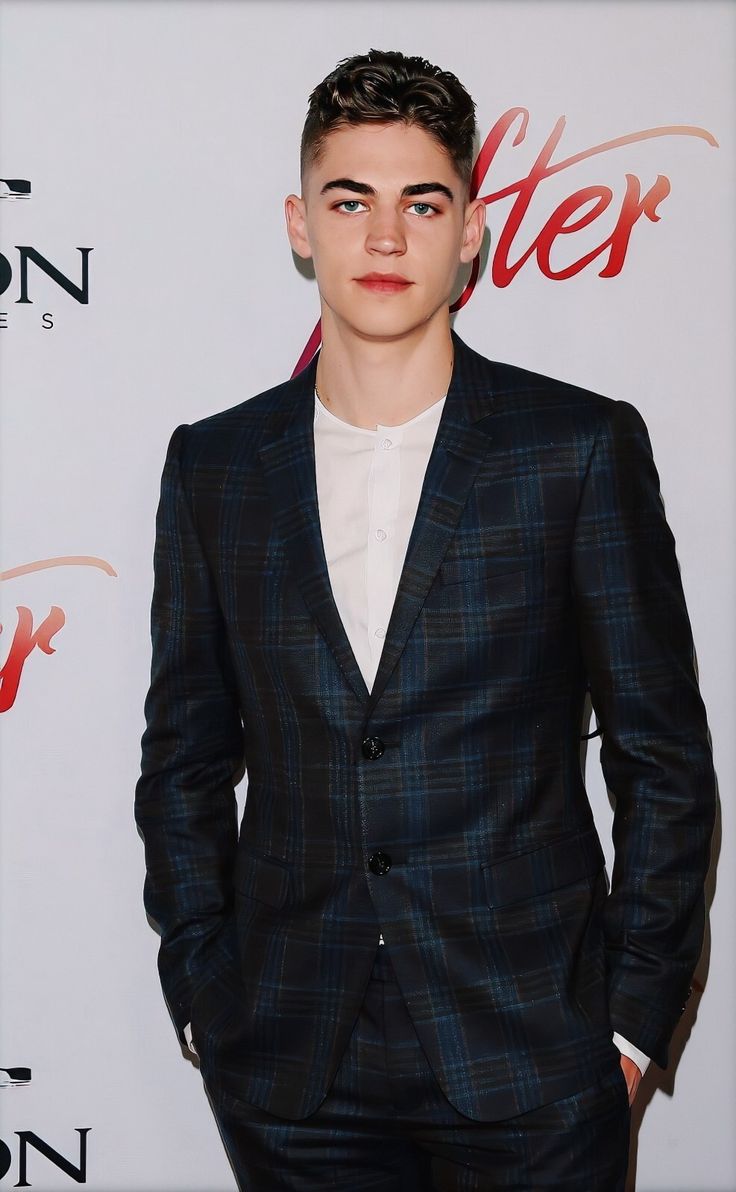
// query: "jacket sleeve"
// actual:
[[656, 758], [192, 747]]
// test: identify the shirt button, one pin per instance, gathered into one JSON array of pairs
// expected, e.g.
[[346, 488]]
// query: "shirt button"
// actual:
[[380, 633], [380, 535], [387, 444]]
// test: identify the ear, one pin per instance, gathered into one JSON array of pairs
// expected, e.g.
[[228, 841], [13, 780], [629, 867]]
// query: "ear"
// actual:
[[475, 224], [296, 225]]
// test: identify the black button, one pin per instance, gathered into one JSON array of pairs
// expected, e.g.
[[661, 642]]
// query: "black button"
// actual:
[[379, 863], [372, 747]]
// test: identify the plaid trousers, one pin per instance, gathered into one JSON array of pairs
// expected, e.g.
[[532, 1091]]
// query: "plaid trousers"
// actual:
[[385, 1125]]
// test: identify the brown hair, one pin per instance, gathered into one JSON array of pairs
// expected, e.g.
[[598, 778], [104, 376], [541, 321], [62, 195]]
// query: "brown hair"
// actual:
[[387, 86]]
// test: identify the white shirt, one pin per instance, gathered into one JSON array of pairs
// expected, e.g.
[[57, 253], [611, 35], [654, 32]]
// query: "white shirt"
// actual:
[[368, 488]]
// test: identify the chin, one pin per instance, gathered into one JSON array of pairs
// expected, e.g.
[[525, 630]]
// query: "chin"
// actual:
[[385, 329], [381, 322]]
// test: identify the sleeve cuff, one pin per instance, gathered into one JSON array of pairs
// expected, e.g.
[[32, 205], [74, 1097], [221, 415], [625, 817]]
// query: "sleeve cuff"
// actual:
[[633, 1053], [188, 1037]]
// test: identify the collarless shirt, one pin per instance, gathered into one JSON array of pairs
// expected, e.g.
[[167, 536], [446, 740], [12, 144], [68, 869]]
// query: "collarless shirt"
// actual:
[[368, 488]]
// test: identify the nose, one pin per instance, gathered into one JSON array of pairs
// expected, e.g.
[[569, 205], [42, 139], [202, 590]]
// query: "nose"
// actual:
[[385, 232]]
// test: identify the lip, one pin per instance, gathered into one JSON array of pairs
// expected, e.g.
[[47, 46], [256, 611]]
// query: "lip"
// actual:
[[388, 283]]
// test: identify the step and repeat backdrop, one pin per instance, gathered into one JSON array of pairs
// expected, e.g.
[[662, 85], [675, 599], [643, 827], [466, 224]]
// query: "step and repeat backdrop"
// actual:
[[146, 280]]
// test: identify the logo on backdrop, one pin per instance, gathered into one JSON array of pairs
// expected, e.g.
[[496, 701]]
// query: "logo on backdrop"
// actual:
[[15, 188], [29, 1139], [14, 1078], [26, 639], [15, 274], [580, 209], [549, 236]]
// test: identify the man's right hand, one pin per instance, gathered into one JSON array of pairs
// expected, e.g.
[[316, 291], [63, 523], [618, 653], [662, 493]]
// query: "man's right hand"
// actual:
[[632, 1074]]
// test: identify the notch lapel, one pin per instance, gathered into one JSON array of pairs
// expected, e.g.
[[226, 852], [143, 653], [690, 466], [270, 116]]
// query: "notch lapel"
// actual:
[[457, 453], [287, 457]]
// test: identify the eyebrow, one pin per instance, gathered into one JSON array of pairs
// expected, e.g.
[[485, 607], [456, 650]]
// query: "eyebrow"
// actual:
[[363, 188]]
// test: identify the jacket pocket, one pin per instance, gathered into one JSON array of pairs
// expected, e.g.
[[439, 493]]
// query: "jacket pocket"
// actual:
[[559, 863]]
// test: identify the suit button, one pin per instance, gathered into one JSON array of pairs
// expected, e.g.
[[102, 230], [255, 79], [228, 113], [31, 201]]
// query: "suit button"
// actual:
[[372, 748], [379, 863]]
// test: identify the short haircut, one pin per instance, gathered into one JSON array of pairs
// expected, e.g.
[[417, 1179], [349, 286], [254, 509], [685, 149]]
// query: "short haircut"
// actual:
[[385, 86]]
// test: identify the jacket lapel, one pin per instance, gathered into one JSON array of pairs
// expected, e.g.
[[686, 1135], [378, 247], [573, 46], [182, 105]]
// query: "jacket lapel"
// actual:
[[287, 456], [458, 451]]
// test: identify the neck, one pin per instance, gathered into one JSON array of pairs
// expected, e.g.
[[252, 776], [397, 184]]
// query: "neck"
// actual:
[[367, 381]]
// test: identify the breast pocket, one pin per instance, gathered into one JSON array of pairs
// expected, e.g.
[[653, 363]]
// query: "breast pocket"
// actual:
[[478, 583], [482, 570]]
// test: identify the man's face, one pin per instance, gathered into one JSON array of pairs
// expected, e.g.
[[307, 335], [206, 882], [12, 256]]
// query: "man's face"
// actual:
[[422, 237]]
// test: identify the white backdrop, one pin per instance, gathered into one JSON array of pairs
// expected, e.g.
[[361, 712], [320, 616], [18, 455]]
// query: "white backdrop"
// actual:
[[164, 137]]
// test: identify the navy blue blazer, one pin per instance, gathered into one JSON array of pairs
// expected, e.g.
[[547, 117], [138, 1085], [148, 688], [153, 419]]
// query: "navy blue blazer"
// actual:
[[446, 807]]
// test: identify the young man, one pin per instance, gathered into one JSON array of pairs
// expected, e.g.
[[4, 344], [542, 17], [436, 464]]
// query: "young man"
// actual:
[[385, 587]]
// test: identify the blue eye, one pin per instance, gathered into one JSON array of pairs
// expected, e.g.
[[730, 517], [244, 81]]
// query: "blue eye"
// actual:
[[357, 203]]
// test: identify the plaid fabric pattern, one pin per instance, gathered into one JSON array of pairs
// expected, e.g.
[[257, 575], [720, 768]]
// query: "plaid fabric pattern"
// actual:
[[385, 1126], [540, 564]]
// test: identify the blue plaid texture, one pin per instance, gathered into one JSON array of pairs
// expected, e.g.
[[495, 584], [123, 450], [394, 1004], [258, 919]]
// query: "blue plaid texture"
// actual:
[[540, 564]]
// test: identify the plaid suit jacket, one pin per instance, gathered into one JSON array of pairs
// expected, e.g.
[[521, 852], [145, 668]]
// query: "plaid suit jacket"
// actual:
[[540, 566]]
